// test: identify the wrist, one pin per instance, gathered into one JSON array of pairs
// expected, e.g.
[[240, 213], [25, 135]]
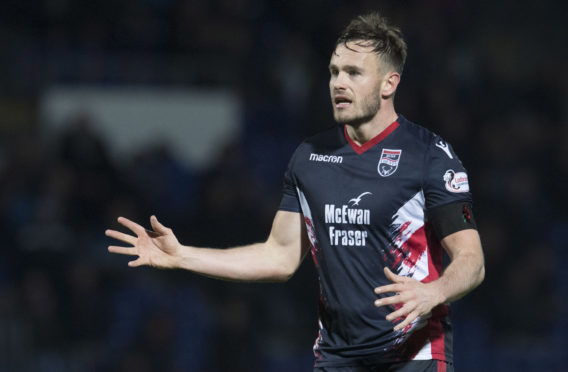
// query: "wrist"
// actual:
[[171, 259], [438, 293], [183, 257]]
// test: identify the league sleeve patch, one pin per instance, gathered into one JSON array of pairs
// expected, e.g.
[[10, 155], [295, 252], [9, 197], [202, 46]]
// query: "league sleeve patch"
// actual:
[[456, 181]]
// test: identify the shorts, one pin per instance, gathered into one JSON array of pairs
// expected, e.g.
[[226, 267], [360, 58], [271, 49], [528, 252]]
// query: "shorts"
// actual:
[[408, 366]]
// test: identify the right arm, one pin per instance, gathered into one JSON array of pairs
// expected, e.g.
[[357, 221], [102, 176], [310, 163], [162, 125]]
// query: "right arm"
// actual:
[[276, 259]]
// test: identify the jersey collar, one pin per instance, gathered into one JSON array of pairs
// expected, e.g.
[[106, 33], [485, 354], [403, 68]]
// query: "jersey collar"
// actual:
[[359, 149]]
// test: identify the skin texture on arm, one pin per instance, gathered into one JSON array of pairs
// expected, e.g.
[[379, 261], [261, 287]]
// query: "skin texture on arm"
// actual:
[[276, 259], [465, 272]]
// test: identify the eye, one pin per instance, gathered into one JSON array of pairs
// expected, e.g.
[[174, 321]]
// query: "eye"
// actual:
[[333, 71], [354, 72]]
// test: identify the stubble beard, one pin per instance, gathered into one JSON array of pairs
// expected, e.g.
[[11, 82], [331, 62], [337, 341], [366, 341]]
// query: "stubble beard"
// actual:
[[369, 108]]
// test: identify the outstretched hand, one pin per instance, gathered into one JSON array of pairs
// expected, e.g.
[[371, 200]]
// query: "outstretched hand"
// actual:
[[417, 298], [158, 247]]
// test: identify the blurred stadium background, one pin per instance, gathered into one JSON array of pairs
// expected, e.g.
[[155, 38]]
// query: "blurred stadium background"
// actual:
[[190, 109]]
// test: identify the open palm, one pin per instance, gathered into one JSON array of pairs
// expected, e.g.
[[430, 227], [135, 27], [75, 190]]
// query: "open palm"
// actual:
[[158, 247]]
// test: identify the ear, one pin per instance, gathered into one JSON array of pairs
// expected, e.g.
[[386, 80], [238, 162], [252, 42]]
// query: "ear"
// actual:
[[389, 84]]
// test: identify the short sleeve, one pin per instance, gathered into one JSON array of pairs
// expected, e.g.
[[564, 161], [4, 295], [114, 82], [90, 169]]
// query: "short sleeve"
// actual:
[[445, 180], [290, 201]]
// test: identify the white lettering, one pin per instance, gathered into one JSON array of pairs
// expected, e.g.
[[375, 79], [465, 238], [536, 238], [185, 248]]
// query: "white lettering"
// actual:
[[344, 214], [326, 158], [336, 239], [352, 214], [329, 216], [331, 229], [348, 238]]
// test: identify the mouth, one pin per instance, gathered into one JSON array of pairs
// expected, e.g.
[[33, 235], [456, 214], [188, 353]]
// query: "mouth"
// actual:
[[341, 101]]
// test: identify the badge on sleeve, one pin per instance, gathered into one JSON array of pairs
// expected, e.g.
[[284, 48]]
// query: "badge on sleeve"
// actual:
[[456, 182], [388, 162]]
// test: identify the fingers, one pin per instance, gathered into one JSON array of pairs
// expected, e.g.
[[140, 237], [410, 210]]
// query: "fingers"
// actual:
[[122, 250], [157, 226], [133, 226], [392, 276], [398, 313], [409, 319], [129, 239], [392, 300], [129, 252], [394, 288], [406, 311], [140, 261], [405, 289], [137, 262]]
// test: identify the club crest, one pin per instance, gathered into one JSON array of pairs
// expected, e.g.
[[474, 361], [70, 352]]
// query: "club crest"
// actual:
[[388, 163]]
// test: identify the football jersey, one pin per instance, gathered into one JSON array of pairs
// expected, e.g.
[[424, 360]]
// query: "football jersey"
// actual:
[[366, 207]]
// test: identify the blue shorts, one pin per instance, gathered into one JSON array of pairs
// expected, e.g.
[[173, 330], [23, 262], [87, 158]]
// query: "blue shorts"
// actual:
[[408, 366]]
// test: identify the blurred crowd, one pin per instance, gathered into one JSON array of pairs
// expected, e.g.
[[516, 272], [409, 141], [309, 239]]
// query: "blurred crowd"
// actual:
[[488, 77]]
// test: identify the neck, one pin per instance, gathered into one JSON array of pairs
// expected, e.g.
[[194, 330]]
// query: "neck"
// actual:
[[363, 132]]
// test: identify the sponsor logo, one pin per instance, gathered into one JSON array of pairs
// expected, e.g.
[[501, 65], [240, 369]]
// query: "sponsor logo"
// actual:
[[456, 182], [346, 215], [388, 162], [357, 200], [326, 158], [441, 144]]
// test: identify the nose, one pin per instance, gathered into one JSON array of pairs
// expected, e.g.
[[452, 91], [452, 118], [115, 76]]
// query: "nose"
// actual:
[[338, 81]]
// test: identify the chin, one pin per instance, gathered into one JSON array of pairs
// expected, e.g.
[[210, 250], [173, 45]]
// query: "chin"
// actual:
[[354, 121], [342, 118]]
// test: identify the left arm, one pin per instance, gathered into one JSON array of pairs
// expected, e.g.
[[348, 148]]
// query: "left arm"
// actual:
[[465, 272]]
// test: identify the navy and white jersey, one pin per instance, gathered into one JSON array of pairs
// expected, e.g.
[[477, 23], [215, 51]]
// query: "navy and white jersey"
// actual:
[[366, 207]]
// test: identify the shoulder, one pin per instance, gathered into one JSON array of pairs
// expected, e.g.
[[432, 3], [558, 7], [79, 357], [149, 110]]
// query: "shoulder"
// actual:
[[322, 144], [417, 132], [426, 141], [325, 141], [332, 136]]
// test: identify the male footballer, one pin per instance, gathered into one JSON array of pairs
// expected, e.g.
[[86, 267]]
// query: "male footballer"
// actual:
[[376, 200]]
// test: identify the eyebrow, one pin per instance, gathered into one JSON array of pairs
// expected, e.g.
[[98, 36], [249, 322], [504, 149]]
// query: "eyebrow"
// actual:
[[345, 67]]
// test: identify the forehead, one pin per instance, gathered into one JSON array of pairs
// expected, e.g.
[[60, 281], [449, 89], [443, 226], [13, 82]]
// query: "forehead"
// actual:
[[355, 55]]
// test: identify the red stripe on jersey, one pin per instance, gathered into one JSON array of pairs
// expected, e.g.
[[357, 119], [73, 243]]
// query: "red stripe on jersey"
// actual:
[[441, 366], [437, 337], [415, 343], [414, 247], [359, 149], [411, 250]]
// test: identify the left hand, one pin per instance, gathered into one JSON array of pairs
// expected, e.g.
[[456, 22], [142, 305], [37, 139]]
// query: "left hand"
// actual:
[[417, 298]]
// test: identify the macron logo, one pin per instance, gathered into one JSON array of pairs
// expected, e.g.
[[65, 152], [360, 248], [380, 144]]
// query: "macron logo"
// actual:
[[326, 158], [444, 146]]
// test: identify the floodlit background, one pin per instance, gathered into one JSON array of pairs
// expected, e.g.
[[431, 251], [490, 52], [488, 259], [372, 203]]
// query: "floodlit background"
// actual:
[[191, 109]]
